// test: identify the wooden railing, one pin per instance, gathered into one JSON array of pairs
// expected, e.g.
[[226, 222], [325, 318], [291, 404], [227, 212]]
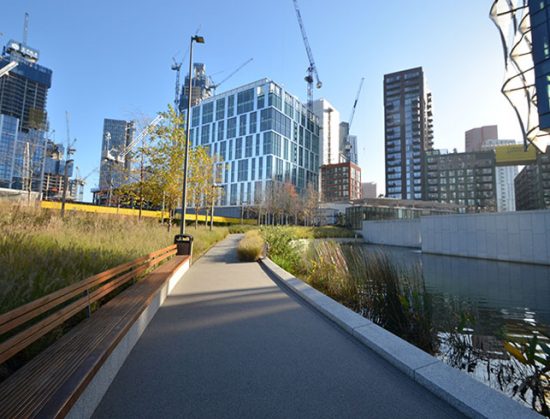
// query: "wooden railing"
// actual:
[[68, 302]]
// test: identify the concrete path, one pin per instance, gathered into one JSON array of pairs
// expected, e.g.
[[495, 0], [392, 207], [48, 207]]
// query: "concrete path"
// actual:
[[229, 342]]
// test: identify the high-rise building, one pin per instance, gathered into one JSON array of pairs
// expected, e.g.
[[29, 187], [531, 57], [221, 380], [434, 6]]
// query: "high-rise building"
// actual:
[[340, 182], [114, 170], [265, 137], [408, 132], [24, 91], [329, 119], [368, 190], [202, 87], [532, 185], [476, 137], [21, 156], [539, 12], [506, 200], [466, 179], [348, 144]]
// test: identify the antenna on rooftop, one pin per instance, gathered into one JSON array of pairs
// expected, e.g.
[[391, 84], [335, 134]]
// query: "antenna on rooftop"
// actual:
[[26, 29]]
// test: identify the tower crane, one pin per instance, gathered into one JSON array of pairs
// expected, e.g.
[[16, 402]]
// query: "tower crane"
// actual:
[[215, 86], [120, 158], [81, 181], [312, 69], [6, 69], [347, 143], [177, 68]]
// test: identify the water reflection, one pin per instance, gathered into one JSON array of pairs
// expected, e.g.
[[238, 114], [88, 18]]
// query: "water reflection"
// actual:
[[503, 296]]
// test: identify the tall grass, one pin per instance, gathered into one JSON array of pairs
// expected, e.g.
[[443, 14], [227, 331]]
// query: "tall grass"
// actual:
[[40, 252], [251, 246]]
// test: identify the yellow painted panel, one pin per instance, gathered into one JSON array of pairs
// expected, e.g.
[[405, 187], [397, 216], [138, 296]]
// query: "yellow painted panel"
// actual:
[[72, 206], [512, 155]]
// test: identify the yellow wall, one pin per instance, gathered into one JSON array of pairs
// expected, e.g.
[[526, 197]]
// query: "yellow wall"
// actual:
[[71, 206]]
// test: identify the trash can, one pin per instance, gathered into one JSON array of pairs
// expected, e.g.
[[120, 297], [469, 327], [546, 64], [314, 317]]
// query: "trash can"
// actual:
[[184, 243]]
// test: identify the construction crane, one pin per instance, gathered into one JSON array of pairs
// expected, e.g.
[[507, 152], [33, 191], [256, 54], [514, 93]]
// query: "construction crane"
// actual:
[[215, 86], [81, 181], [177, 68], [6, 69], [120, 158], [347, 143], [312, 69]]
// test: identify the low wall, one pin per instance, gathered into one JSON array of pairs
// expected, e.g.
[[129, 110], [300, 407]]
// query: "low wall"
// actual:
[[393, 232], [522, 236]]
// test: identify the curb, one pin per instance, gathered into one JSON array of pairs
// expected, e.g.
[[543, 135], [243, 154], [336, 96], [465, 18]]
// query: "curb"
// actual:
[[466, 394]]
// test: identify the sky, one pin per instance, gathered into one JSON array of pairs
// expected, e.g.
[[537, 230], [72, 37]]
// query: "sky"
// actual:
[[112, 59]]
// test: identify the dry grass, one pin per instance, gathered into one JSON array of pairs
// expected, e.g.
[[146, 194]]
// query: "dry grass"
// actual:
[[40, 252], [251, 246]]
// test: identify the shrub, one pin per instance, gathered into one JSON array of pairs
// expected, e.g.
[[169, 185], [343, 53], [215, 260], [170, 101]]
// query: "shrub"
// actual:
[[251, 246], [281, 248]]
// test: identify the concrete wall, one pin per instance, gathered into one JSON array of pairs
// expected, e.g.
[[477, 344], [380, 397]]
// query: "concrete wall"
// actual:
[[522, 236], [393, 232]]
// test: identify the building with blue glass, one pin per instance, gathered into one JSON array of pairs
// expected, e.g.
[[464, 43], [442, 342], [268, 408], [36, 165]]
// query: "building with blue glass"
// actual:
[[264, 136], [113, 171], [539, 12], [408, 132]]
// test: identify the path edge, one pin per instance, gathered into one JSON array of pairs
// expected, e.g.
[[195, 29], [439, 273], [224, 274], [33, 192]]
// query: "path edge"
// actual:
[[468, 395]]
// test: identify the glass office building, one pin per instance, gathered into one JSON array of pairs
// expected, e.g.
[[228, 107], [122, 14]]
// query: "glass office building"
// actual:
[[263, 135], [23, 92], [408, 132], [22, 156], [113, 171]]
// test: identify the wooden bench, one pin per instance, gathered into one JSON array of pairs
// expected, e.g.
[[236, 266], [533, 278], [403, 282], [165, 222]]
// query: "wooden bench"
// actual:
[[52, 382]]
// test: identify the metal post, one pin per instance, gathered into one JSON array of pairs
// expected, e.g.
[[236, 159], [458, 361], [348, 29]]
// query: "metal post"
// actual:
[[187, 134], [200, 40]]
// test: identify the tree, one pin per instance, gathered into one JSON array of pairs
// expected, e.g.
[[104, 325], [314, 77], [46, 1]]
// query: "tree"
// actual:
[[166, 156], [310, 203], [201, 179]]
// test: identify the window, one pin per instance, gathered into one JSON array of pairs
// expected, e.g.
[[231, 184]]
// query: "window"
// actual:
[[221, 131], [268, 167], [252, 126], [242, 170], [231, 105], [242, 125], [207, 112], [245, 101], [220, 109], [195, 116], [248, 146], [238, 148], [231, 127], [205, 134], [260, 167]]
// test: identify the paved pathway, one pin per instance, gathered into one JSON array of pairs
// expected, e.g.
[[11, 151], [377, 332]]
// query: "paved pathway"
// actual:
[[229, 342]]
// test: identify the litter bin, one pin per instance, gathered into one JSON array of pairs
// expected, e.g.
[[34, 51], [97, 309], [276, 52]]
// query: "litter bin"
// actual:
[[184, 243]]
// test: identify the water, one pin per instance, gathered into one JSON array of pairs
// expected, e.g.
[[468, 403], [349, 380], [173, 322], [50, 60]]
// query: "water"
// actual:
[[502, 296], [500, 302]]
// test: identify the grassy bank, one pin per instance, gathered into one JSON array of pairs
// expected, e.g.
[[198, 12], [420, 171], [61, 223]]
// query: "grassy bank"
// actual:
[[40, 252]]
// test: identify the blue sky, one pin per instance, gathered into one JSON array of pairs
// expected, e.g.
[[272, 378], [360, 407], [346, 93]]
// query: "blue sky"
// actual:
[[111, 59]]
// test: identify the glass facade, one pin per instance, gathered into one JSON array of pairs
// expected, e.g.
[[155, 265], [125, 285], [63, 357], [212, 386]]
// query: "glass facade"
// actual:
[[117, 135], [22, 156], [260, 141], [408, 132]]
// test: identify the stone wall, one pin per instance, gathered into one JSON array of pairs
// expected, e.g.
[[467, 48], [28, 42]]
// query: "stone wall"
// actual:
[[522, 236]]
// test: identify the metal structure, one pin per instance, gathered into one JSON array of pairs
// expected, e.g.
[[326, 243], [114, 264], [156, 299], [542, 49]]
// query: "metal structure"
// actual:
[[347, 143], [81, 181], [215, 86], [6, 69], [70, 150], [512, 19], [120, 157], [312, 69], [177, 68]]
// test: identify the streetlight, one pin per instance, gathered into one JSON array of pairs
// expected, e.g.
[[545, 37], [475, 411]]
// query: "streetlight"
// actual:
[[181, 237], [214, 197]]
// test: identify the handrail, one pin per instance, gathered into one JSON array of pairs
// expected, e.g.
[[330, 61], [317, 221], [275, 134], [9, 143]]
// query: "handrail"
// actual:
[[90, 290]]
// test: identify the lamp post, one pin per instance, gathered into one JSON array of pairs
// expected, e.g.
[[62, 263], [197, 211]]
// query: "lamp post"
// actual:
[[180, 237], [214, 198]]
